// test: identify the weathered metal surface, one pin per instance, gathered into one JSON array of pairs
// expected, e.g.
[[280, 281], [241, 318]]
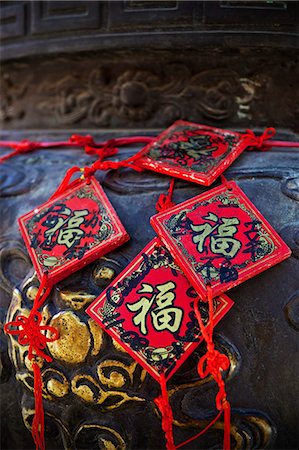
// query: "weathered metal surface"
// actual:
[[95, 395], [48, 27]]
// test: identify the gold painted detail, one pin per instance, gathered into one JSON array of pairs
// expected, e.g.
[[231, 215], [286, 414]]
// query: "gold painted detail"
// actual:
[[117, 346], [109, 438], [97, 334], [17, 352], [74, 338], [103, 274], [28, 415], [28, 363], [116, 374], [31, 292], [27, 379], [76, 300], [85, 387], [55, 384]]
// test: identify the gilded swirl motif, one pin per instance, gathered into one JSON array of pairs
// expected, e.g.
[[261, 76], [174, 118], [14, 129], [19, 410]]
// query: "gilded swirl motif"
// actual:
[[89, 367]]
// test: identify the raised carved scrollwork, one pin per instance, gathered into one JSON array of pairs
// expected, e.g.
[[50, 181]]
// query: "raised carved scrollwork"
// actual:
[[13, 89], [141, 95], [117, 94]]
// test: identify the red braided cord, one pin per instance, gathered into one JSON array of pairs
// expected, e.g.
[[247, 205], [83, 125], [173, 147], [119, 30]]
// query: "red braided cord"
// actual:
[[102, 149], [97, 165], [38, 424], [165, 201], [65, 184], [166, 412], [30, 332], [212, 363]]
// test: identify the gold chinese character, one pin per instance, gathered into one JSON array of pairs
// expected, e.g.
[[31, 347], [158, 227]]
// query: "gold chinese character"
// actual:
[[221, 235], [164, 316], [69, 227]]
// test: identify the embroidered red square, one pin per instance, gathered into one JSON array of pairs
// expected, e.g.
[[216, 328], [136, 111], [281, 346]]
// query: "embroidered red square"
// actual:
[[219, 238], [193, 152], [72, 230], [148, 310]]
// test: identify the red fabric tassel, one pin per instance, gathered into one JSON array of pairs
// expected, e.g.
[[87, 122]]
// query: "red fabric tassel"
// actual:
[[38, 424], [166, 412], [31, 332], [212, 363]]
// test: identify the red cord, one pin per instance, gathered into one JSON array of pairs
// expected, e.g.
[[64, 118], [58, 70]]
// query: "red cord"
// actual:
[[65, 184], [30, 332], [212, 363], [201, 432], [166, 412], [255, 142], [102, 149], [165, 201], [38, 424]]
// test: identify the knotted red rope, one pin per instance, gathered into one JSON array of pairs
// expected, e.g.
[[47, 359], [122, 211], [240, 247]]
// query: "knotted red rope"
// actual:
[[212, 363], [24, 146], [165, 200], [107, 165], [102, 149], [255, 141], [91, 148], [30, 332], [99, 164], [166, 412]]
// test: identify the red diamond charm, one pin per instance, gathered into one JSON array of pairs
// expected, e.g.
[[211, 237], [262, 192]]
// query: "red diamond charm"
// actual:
[[219, 238], [72, 230], [193, 152], [148, 310]]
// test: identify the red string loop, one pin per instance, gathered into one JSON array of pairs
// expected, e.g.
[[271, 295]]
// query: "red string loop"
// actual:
[[165, 200], [258, 141], [31, 332], [107, 165], [102, 152], [91, 148], [164, 203]]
